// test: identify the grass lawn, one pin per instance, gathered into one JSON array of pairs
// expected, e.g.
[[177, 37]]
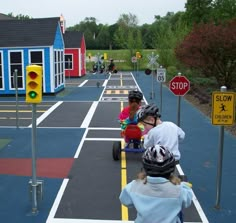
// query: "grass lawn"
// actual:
[[4, 142], [122, 58]]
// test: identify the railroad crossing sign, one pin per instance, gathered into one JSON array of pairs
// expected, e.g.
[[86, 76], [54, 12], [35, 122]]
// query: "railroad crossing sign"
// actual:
[[152, 61], [161, 74], [223, 108], [179, 85]]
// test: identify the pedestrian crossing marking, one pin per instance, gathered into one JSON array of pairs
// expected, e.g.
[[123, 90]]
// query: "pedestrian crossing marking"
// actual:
[[116, 92]]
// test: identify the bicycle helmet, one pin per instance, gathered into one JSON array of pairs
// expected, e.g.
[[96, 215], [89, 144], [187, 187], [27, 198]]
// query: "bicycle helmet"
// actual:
[[135, 95], [148, 110], [158, 161]]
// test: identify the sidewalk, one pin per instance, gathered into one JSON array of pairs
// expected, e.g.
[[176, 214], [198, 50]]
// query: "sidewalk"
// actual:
[[200, 153]]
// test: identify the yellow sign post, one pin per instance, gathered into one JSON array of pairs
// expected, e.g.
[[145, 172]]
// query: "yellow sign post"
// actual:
[[223, 108], [105, 56]]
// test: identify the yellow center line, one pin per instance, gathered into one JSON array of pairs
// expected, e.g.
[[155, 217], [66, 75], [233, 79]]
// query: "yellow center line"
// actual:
[[13, 105], [124, 210], [13, 118]]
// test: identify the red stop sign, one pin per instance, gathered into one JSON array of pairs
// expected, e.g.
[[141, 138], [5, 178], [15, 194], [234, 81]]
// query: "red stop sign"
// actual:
[[179, 85]]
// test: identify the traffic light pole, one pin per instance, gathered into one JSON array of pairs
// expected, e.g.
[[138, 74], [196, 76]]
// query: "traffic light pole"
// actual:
[[34, 177], [34, 77], [16, 87]]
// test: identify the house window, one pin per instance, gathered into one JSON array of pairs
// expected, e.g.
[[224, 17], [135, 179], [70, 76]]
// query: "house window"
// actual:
[[1, 72], [62, 67], [16, 65], [36, 57], [68, 61], [58, 68]]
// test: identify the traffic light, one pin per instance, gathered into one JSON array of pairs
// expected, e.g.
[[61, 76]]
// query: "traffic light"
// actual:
[[138, 55], [148, 71], [89, 56], [34, 84]]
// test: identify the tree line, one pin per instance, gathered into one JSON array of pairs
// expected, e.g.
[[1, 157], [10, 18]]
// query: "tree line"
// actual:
[[202, 38]]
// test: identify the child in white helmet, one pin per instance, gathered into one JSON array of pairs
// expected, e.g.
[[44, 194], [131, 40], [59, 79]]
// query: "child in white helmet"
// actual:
[[157, 195], [160, 132]]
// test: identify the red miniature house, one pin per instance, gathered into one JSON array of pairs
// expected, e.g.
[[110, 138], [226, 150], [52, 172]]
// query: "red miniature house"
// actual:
[[75, 54]]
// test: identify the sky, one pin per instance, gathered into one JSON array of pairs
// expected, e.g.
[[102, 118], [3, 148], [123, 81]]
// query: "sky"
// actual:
[[105, 11]]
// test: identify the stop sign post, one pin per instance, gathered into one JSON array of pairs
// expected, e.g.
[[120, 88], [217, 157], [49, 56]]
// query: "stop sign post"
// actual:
[[179, 86]]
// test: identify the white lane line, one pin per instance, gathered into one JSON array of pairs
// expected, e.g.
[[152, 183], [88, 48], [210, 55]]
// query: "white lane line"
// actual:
[[139, 88], [83, 83], [105, 83], [89, 115], [103, 139], [195, 200], [63, 220], [104, 88], [103, 128], [81, 144], [47, 113], [199, 209], [57, 201]]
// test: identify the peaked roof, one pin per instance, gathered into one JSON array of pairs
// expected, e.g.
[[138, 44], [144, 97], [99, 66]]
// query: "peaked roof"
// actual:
[[5, 17], [30, 32], [72, 39]]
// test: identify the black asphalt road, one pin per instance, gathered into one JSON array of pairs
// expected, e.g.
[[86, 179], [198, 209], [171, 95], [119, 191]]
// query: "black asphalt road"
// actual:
[[94, 181]]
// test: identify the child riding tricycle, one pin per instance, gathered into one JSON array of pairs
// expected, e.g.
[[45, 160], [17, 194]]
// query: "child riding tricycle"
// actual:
[[131, 131]]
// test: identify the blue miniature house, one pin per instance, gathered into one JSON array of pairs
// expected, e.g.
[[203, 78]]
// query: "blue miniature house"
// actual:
[[32, 41]]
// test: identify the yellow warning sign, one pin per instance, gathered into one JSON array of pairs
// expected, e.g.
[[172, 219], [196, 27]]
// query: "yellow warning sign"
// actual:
[[223, 108]]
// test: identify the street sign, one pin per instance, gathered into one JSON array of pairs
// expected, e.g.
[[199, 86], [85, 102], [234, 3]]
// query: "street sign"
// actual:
[[152, 61], [223, 108], [134, 59], [179, 85], [161, 74]]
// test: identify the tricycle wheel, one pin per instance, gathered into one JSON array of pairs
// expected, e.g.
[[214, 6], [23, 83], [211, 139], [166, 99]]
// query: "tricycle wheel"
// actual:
[[116, 150]]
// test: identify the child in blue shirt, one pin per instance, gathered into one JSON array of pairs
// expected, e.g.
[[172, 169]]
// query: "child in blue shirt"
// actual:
[[157, 195]]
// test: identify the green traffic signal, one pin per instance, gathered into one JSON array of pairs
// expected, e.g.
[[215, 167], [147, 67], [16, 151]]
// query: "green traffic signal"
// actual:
[[32, 94]]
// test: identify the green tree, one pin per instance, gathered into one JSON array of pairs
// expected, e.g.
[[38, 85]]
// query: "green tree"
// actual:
[[20, 16], [147, 36], [224, 10], [198, 11], [103, 38], [170, 30], [90, 29], [127, 24]]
